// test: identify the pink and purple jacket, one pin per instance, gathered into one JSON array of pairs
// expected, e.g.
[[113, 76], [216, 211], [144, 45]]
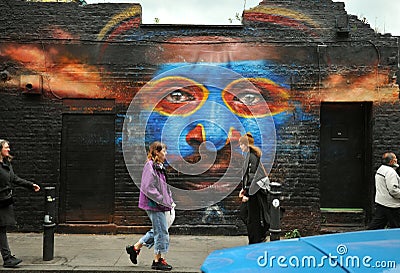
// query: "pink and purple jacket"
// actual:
[[155, 194]]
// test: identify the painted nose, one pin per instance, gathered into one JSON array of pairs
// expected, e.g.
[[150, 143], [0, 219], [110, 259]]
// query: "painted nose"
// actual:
[[216, 135], [196, 136]]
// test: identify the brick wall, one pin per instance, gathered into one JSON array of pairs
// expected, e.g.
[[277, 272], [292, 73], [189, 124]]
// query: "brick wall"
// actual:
[[102, 51], [32, 125]]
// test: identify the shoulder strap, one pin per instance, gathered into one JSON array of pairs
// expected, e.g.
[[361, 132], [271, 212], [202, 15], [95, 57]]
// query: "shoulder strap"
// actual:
[[246, 172]]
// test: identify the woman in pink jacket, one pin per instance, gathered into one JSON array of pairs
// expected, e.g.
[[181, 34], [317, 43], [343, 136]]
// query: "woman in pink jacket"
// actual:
[[156, 199]]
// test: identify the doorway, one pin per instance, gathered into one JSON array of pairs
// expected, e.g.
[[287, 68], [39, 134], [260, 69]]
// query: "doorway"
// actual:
[[345, 155], [87, 168]]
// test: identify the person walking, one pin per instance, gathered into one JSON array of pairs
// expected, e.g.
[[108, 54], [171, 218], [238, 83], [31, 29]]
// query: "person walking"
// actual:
[[387, 196], [7, 217], [156, 199], [255, 208]]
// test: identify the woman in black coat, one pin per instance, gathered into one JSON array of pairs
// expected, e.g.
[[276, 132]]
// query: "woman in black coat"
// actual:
[[255, 208], [7, 218]]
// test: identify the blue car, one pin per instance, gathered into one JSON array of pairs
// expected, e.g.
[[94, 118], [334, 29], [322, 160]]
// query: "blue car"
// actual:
[[360, 251]]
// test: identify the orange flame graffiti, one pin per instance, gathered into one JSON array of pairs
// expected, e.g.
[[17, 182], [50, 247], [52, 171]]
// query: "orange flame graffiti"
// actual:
[[371, 87], [63, 76]]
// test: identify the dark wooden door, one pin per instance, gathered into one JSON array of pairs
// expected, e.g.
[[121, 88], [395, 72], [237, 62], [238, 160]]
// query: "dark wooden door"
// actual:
[[87, 163], [345, 155]]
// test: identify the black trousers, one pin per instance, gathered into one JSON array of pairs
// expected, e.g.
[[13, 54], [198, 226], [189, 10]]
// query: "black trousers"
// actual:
[[4, 247], [250, 213], [385, 216]]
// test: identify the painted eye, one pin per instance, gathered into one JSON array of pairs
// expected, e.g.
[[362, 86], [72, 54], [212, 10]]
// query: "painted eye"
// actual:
[[249, 97], [176, 95], [179, 97]]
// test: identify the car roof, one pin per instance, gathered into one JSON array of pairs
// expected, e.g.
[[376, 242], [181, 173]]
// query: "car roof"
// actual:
[[357, 252]]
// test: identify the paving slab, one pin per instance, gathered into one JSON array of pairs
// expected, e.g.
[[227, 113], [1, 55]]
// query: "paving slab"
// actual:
[[106, 253]]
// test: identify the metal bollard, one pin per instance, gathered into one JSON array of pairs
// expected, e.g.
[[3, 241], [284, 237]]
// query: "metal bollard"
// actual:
[[275, 226], [49, 223]]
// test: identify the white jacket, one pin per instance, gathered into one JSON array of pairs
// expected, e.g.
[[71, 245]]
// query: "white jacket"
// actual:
[[387, 183]]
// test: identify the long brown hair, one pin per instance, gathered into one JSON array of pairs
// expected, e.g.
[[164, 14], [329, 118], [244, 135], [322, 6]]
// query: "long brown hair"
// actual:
[[154, 148], [248, 140]]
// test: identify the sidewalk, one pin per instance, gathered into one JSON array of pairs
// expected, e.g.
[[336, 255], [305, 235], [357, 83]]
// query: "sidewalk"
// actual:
[[106, 253]]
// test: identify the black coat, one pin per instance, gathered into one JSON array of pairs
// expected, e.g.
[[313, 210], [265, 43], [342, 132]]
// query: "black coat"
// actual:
[[7, 179], [251, 171], [255, 213]]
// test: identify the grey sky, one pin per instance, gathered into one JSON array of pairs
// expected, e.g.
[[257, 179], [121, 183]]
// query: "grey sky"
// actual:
[[380, 14]]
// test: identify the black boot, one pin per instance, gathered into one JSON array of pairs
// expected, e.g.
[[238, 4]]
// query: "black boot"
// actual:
[[11, 261]]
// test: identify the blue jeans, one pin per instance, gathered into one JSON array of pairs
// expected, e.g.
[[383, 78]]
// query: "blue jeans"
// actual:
[[158, 235]]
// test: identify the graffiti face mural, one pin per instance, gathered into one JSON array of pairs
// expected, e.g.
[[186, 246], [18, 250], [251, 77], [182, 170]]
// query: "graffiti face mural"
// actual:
[[200, 111]]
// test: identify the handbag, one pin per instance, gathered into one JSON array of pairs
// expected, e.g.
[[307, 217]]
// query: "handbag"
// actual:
[[170, 216], [6, 200], [264, 184]]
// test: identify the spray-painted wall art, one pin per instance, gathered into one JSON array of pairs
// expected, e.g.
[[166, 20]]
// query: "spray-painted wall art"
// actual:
[[199, 88]]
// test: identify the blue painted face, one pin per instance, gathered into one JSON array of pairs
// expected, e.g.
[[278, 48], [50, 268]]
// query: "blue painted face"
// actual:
[[214, 105]]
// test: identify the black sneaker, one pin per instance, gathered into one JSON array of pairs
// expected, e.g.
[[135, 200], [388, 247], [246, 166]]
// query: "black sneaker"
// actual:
[[11, 262], [161, 265], [133, 253]]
